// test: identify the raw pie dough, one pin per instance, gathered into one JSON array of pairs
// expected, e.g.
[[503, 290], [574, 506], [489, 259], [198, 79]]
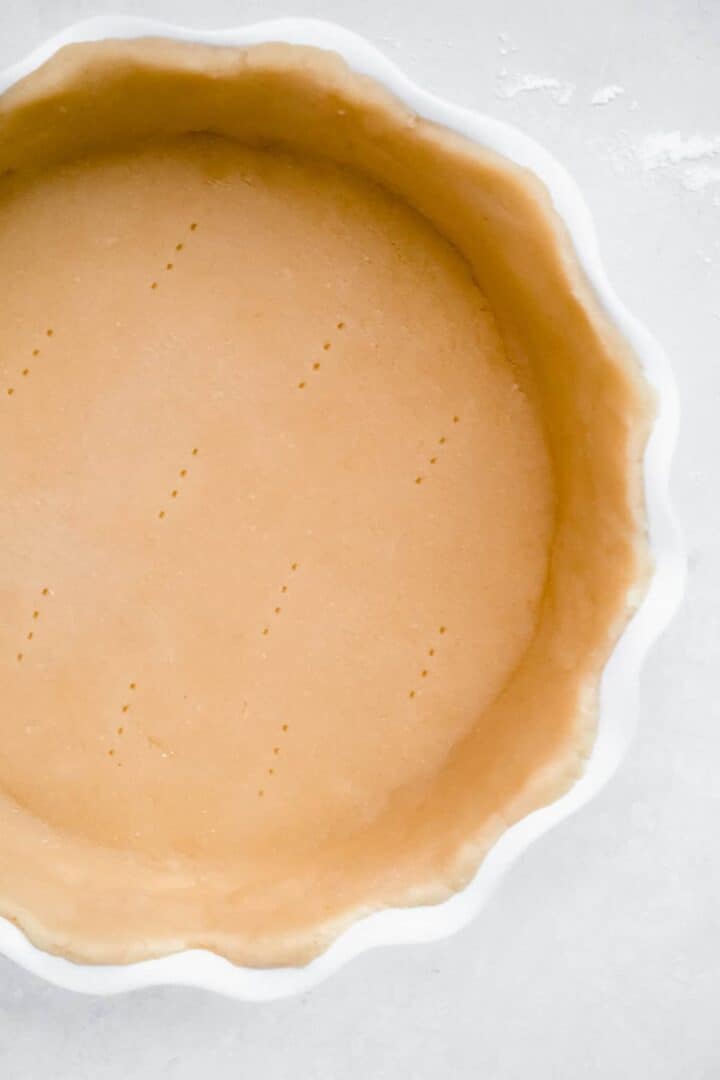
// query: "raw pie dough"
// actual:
[[319, 501]]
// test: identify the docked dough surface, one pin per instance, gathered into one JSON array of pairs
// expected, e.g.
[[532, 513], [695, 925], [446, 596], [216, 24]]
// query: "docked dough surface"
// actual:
[[280, 513]]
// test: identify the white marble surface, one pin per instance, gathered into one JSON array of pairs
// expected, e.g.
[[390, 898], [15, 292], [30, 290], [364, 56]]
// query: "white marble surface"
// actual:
[[599, 956]]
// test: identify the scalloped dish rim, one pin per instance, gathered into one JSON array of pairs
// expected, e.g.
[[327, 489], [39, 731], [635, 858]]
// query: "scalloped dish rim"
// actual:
[[620, 678]]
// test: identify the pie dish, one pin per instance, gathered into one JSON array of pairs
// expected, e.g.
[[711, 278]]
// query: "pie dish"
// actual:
[[327, 489]]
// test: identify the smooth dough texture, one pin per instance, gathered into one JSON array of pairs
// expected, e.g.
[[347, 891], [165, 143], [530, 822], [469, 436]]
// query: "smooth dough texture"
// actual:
[[319, 496]]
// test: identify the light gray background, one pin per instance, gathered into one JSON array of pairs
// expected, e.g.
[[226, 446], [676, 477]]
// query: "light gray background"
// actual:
[[599, 956]]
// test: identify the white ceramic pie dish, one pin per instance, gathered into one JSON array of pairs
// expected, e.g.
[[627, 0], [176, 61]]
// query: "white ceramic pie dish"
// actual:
[[618, 696]]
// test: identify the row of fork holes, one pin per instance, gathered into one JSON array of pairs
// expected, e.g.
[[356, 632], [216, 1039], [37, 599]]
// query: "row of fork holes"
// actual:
[[182, 475], [425, 671], [35, 354], [436, 456], [151, 740], [277, 610], [179, 246], [125, 708], [327, 345], [30, 635]]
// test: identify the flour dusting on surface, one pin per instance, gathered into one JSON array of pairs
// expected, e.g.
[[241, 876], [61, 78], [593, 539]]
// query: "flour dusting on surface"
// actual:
[[505, 45], [663, 149], [689, 157], [605, 94], [697, 177], [561, 92]]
